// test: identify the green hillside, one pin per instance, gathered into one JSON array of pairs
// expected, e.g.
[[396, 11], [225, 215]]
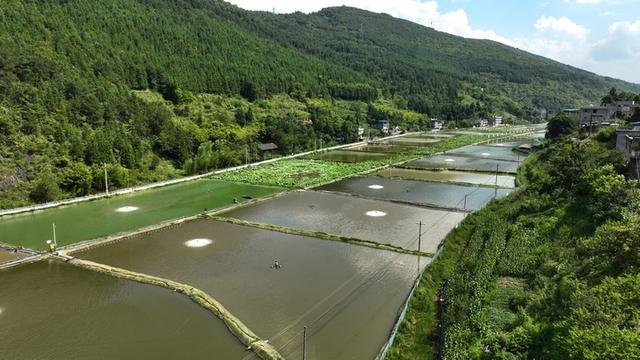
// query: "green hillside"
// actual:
[[79, 85], [434, 70]]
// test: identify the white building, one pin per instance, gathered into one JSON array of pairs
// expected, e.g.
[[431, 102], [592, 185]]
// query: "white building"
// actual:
[[481, 123], [436, 124], [384, 126]]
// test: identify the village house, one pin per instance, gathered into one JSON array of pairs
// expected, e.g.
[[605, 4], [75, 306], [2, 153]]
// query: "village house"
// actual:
[[384, 126], [622, 109], [481, 123], [594, 116], [628, 142], [495, 121], [436, 124], [573, 112], [267, 150]]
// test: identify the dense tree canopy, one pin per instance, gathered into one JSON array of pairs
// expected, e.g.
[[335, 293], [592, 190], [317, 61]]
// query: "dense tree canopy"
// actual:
[[157, 89], [561, 125]]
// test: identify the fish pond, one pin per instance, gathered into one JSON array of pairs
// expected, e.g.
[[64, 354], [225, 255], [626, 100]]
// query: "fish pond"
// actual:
[[350, 156], [347, 296], [413, 141], [418, 192], [383, 148], [52, 310], [350, 216], [94, 219], [449, 176], [458, 162], [489, 152]]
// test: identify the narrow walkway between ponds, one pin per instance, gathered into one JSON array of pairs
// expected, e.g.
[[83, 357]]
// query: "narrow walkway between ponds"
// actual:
[[264, 350], [322, 235], [397, 201]]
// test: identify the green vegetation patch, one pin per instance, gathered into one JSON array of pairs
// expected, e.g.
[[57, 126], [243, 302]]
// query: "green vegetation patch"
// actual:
[[302, 173], [502, 308], [297, 173]]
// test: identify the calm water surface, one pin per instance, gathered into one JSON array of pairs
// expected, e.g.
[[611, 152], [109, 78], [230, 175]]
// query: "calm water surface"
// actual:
[[449, 161], [351, 216], [383, 148], [489, 152], [351, 156], [90, 220], [346, 295], [506, 181], [51, 310], [418, 192]]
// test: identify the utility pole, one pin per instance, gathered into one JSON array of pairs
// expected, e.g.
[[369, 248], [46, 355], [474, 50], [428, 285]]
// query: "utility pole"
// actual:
[[304, 344], [495, 192], [55, 240], [419, 244], [465, 204], [106, 180]]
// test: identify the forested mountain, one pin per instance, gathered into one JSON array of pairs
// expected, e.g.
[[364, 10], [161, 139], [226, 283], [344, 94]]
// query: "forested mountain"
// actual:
[[436, 71], [75, 75]]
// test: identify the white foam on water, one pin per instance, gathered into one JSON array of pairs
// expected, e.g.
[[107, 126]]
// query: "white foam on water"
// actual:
[[126, 209], [198, 243], [376, 213], [449, 160], [499, 144], [485, 154], [376, 187]]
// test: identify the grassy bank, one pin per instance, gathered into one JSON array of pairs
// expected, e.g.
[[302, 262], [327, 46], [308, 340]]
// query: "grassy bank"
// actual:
[[550, 272], [417, 335]]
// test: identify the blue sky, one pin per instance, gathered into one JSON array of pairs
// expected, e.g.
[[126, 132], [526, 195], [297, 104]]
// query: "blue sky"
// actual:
[[602, 36]]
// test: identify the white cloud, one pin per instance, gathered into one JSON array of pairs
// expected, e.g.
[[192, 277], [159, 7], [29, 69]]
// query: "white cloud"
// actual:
[[622, 42], [425, 13], [585, 2], [561, 25], [617, 54], [558, 38]]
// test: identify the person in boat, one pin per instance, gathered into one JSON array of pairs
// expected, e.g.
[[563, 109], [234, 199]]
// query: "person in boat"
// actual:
[[276, 265]]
